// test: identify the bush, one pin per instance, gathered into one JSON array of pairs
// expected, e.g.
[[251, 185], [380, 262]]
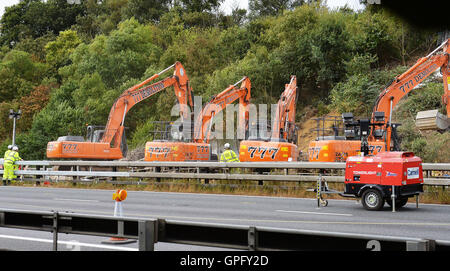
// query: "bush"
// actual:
[[357, 95]]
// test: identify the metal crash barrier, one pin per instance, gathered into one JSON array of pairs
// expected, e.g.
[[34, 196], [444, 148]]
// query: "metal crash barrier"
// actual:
[[148, 232], [268, 171]]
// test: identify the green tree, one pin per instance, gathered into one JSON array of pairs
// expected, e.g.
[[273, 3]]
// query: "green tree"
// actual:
[[18, 74], [261, 8], [36, 18], [53, 121], [58, 51], [145, 10], [200, 5]]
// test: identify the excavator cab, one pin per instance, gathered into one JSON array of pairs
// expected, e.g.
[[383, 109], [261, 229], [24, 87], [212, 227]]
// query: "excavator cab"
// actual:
[[178, 132], [258, 131], [95, 133], [338, 148]]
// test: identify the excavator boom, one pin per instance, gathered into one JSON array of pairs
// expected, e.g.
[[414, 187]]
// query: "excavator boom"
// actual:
[[218, 103], [111, 144], [403, 84], [281, 146], [199, 149], [380, 136], [284, 123]]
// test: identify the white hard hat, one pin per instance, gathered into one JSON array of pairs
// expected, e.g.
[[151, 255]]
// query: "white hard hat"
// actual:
[[15, 148], [10, 147], [226, 146]]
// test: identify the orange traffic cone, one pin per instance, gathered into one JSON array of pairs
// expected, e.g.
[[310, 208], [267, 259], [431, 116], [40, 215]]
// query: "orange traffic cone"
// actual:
[[119, 196]]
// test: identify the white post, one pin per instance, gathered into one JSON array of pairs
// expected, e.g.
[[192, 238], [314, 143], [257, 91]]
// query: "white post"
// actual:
[[14, 132], [118, 210], [393, 199]]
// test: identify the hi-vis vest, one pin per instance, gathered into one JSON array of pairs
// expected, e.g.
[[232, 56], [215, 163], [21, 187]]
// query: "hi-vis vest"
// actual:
[[11, 157], [7, 152], [229, 156]]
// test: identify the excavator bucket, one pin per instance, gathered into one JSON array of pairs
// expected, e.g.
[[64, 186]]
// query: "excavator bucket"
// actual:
[[432, 120]]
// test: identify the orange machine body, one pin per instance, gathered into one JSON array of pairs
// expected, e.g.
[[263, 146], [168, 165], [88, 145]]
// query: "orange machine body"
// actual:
[[199, 148], [339, 150], [267, 151], [386, 102], [82, 150], [177, 151], [110, 145], [281, 145]]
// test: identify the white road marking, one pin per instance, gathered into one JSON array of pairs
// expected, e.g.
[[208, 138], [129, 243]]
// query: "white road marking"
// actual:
[[312, 213], [82, 200], [68, 243]]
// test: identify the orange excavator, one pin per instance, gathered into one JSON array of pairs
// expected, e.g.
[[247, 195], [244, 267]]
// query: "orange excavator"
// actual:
[[110, 143], [382, 136], [198, 148], [282, 144]]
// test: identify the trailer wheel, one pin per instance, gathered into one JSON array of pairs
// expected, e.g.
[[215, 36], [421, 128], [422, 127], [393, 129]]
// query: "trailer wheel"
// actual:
[[372, 200], [324, 202]]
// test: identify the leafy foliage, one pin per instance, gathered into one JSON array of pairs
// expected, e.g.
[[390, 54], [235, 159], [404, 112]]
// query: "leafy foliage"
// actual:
[[65, 64], [35, 18]]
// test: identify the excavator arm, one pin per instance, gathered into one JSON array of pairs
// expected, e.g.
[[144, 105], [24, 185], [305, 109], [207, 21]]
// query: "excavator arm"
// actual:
[[109, 145], [406, 82], [132, 96], [204, 120], [284, 121], [198, 148]]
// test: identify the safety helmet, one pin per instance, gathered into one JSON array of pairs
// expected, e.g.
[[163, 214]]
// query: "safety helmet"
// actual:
[[10, 147], [15, 148], [226, 146]]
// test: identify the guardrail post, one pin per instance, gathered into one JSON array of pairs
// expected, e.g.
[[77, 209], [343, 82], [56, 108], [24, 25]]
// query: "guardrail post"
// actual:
[[158, 169], [114, 169], [55, 231], [147, 235], [252, 239], [319, 190]]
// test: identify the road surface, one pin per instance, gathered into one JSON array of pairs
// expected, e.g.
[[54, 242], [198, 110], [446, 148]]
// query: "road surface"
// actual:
[[431, 221]]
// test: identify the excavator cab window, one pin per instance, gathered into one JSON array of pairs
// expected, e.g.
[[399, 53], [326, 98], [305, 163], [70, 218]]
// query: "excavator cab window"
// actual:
[[259, 131], [70, 138], [98, 134], [178, 132], [95, 133]]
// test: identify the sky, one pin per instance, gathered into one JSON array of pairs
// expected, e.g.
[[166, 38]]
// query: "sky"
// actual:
[[353, 4], [227, 4], [7, 3]]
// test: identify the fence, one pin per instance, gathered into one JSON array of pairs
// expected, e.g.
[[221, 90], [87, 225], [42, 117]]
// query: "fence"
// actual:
[[149, 232], [268, 171]]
